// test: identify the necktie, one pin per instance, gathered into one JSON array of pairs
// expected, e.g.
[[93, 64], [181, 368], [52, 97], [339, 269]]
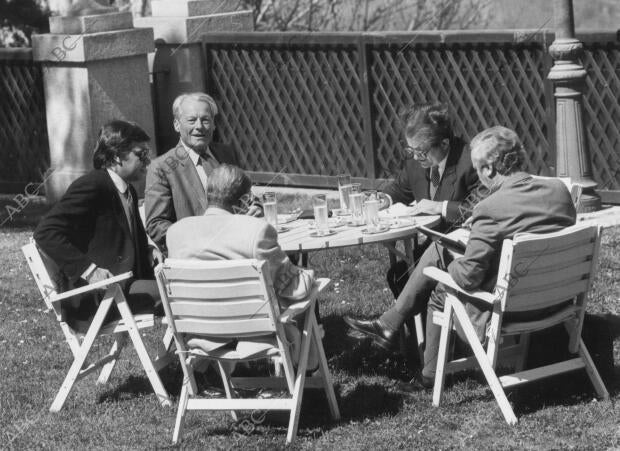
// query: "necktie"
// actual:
[[204, 167], [129, 210], [435, 176]]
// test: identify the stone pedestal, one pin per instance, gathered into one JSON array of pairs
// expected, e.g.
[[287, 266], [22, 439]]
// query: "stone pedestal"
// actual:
[[95, 69], [177, 66]]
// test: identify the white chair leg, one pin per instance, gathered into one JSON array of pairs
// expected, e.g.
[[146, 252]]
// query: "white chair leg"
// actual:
[[593, 374], [82, 353], [483, 361], [300, 378], [328, 384], [227, 386], [178, 424], [442, 357], [143, 355], [117, 346]]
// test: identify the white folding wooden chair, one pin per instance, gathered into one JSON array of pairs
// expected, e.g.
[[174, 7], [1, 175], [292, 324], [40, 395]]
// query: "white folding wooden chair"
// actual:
[[43, 271], [235, 300], [536, 271]]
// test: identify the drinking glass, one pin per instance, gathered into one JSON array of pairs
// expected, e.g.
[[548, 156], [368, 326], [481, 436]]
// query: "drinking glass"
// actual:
[[270, 208], [356, 202], [344, 188], [319, 203], [371, 208]]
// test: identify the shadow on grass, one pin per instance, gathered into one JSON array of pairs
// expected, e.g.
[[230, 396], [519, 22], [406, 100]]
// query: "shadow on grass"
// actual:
[[134, 385], [358, 356]]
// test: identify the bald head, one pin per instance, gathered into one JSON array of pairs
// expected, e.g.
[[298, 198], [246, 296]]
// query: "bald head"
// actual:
[[496, 151]]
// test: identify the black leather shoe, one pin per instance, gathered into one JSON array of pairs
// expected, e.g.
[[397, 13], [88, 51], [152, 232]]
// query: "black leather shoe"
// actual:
[[418, 383], [381, 335]]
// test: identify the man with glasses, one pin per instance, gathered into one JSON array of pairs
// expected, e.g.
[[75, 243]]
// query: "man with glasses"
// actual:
[[176, 181], [438, 175], [94, 231]]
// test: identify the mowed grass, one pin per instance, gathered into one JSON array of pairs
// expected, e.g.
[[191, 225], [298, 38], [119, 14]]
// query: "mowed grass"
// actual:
[[124, 414]]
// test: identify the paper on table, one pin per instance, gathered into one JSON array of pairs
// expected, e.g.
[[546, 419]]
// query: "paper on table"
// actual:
[[398, 209]]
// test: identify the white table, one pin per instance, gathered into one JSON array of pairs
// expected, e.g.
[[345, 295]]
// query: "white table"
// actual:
[[297, 239]]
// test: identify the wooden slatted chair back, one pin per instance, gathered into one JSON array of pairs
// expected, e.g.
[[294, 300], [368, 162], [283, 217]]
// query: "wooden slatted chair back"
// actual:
[[224, 298], [540, 271], [45, 273]]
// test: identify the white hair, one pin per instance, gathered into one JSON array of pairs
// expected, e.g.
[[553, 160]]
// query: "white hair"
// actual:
[[198, 96]]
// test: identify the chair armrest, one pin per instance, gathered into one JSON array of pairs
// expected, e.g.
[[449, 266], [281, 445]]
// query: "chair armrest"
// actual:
[[92, 286], [445, 278], [295, 309]]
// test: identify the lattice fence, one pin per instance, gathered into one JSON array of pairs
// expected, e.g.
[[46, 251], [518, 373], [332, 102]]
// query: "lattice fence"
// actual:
[[602, 111], [291, 109], [322, 104], [483, 85], [23, 129]]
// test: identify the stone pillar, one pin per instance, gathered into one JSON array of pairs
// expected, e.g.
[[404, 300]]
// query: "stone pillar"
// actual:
[[178, 64], [568, 76], [94, 69]]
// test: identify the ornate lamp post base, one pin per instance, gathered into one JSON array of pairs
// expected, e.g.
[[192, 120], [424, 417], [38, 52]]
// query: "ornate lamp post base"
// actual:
[[568, 75]]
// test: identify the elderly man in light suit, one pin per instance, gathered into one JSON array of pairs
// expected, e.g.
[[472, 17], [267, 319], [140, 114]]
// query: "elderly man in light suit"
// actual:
[[220, 234], [176, 181]]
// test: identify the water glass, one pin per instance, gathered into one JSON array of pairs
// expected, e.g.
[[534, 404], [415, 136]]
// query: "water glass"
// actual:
[[344, 189], [356, 202], [319, 203], [270, 208], [371, 208]]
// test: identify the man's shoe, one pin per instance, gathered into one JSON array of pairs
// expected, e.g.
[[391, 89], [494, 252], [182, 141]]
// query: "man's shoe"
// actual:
[[380, 334], [418, 383]]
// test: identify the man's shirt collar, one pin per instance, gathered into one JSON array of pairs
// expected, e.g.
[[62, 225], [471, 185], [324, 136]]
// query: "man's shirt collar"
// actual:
[[442, 165], [121, 185], [195, 156]]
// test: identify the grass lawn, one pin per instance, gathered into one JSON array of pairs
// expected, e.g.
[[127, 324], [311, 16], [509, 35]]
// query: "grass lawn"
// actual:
[[558, 413]]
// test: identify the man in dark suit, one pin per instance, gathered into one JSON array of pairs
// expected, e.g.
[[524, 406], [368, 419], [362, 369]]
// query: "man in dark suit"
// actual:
[[94, 231], [176, 181], [517, 203], [437, 175]]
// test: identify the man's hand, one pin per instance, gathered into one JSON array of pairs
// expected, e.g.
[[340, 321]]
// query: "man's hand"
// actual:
[[428, 207], [98, 275], [254, 210]]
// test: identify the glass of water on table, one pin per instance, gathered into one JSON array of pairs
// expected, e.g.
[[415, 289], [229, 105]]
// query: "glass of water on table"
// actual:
[[344, 189], [356, 202], [270, 208], [319, 204]]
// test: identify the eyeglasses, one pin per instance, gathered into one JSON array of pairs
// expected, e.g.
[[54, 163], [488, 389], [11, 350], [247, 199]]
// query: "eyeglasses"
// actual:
[[409, 152]]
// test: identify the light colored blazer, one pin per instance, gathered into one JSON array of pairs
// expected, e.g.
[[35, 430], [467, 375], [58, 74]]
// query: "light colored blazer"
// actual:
[[174, 190], [221, 235]]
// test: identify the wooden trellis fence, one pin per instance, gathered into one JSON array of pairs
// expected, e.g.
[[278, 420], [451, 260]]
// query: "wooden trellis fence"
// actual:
[[24, 148], [303, 107]]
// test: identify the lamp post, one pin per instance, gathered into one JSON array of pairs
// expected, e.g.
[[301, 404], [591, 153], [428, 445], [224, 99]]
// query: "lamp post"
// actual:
[[568, 76]]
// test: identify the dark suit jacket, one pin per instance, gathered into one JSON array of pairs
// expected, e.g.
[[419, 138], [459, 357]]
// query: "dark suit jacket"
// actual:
[[88, 225], [174, 191], [520, 203], [458, 181]]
